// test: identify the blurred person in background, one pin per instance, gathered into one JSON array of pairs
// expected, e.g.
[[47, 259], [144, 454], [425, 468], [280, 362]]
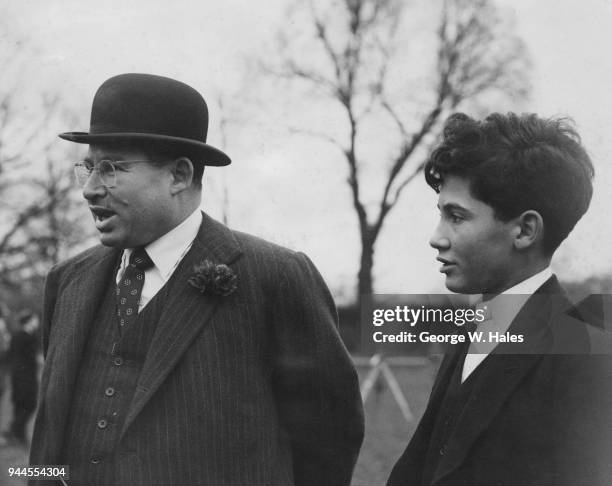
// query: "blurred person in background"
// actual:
[[535, 412], [5, 341], [23, 355]]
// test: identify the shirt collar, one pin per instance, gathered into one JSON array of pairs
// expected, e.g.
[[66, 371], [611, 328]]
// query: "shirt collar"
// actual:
[[504, 307], [167, 251], [531, 284]]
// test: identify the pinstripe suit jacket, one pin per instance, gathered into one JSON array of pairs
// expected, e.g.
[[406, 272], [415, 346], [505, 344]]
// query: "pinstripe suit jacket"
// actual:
[[255, 388]]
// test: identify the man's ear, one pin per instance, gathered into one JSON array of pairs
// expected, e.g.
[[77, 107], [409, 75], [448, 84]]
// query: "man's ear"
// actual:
[[529, 229], [182, 174]]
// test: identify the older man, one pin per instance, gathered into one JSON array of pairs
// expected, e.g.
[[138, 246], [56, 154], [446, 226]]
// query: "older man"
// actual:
[[533, 409], [181, 352]]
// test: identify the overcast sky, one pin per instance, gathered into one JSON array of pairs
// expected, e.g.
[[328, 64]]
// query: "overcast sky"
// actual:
[[291, 191]]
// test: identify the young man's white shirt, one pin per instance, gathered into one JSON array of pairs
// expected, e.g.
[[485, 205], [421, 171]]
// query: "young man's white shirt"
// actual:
[[502, 311]]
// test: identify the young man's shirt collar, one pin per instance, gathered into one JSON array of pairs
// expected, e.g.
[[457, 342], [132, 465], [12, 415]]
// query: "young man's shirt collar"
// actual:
[[501, 311], [505, 306], [531, 284], [525, 288]]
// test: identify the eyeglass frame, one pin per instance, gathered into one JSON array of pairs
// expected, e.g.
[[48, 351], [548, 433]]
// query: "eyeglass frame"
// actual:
[[104, 175]]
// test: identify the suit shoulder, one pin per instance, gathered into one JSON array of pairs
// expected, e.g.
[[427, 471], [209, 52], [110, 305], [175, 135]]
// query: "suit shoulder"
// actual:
[[81, 260], [274, 260], [255, 246]]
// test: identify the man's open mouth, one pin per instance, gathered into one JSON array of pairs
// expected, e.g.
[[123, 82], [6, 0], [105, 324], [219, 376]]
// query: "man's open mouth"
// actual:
[[101, 214]]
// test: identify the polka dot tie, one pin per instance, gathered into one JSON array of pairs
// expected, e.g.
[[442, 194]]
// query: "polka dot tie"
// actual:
[[129, 289]]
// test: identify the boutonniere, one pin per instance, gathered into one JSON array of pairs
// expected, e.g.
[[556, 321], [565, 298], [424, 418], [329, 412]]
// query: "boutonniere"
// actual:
[[213, 278]]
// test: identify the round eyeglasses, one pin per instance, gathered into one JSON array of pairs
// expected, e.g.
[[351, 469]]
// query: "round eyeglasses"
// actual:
[[107, 171]]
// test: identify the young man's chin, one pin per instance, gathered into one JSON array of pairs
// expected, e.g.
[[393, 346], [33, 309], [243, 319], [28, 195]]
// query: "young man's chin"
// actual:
[[459, 287]]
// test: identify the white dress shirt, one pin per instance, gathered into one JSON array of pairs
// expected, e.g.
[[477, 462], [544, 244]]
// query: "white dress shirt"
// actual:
[[502, 310], [166, 253]]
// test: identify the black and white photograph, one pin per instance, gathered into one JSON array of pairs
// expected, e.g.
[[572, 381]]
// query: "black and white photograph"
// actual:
[[305, 243]]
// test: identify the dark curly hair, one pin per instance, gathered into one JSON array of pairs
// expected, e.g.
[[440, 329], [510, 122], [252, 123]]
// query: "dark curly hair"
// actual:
[[516, 163]]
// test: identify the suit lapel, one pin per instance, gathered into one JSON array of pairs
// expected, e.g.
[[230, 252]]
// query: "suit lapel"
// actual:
[[186, 311], [500, 376], [501, 373], [445, 373], [73, 314], [442, 382]]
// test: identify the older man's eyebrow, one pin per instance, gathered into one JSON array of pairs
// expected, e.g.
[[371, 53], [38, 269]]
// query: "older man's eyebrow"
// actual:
[[107, 156]]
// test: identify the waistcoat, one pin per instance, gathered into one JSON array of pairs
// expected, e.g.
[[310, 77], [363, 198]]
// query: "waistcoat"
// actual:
[[109, 372], [455, 399]]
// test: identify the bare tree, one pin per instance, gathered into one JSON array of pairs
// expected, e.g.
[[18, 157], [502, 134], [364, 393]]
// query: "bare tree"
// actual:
[[39, 209], [39, 217], [356, 56], [223, 130]]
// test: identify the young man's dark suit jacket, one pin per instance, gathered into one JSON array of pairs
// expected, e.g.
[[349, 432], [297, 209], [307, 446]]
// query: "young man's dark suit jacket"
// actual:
[[532, 419], [254, 388]]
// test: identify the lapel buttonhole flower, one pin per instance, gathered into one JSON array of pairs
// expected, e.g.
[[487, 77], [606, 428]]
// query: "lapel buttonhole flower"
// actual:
[[213, 278]]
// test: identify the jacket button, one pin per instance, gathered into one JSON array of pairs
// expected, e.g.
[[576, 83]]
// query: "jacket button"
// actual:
[[443, 450], [118, 361], [110, 391], [95, 460], [102, 423]]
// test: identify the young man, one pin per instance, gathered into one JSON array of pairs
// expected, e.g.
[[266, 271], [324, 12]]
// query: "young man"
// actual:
[[181, 352], [536, 412]]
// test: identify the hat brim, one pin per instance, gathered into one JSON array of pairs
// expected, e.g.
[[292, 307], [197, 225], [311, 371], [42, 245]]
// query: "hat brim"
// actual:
[[209, 154]]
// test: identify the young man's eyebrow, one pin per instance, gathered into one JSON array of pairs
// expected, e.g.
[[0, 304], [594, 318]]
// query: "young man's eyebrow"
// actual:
[[448, 207]]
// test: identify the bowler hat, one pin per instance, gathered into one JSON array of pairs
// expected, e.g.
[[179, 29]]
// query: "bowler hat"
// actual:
[[150, 108]]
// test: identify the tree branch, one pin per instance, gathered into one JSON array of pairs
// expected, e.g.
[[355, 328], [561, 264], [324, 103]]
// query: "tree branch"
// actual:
[[319, 135], [29, 213]]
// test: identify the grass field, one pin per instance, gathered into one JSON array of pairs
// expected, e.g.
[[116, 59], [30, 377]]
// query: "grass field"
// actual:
[[387, 433]]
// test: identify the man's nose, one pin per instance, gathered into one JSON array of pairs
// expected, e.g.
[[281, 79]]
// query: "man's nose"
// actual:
[[93, 187], [439, 240]]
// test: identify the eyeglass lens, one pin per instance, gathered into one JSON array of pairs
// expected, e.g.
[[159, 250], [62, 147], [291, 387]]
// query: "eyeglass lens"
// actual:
[[105, 169]]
